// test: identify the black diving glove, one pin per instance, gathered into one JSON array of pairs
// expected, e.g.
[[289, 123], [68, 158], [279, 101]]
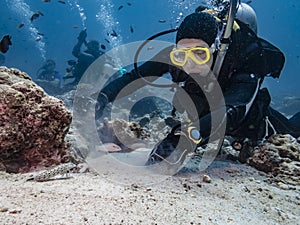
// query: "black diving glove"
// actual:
[[82, 36], [175, 147], [101, 103]]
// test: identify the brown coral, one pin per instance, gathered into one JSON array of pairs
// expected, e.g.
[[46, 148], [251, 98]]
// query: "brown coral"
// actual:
[[121, 132], [32, 124], [280, 156]]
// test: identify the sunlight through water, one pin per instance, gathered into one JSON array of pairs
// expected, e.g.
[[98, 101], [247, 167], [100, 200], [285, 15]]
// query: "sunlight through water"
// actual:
[[74, 3], [111, 26], [179, 9], [24, 12]]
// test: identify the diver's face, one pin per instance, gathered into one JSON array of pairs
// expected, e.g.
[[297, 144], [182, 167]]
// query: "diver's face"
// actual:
[[51, 67], [192, 67]]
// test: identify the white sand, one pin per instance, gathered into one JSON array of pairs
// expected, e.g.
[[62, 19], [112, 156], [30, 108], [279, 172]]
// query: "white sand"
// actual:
[[237, 194]]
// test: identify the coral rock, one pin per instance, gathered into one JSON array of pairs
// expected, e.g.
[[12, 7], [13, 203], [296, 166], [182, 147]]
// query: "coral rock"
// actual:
[[32, 124], [280, 156], [121, 132]]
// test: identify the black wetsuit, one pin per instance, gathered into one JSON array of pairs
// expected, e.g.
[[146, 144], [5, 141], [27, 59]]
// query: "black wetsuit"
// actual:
[[85, 59], [49, 75], [244, 67]]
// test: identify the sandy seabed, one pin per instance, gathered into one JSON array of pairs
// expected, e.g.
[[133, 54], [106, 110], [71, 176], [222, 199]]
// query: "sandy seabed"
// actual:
[[237, 194]]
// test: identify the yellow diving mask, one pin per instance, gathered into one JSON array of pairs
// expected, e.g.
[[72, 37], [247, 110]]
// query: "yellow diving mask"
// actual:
[[200, 55]]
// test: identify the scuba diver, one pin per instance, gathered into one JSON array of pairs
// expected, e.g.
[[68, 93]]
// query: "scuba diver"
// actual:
[[212, 52], [47, 72], [84, 59], [49, 78]]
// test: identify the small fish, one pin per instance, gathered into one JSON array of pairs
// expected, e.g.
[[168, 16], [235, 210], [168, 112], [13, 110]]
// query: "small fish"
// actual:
[[103, 46], [5, 43], [162, 21], [113, 34], [46, 0], [128, 3], [21, 25], [107, 40], [131, 29], [63, 169], [39, 33], [248, 2], [34, 16], [109, 147], [75, 26], [62, 2], [40, 13], [120, 7]]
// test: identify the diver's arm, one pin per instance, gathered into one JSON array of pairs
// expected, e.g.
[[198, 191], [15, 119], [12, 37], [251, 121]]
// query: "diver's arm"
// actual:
[[76, 49], [210, 127], [81, 39], [239, 97], [39, 73], [151, 70]]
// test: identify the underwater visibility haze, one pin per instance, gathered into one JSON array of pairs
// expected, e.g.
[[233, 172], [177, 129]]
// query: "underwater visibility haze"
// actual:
[[47, 29]]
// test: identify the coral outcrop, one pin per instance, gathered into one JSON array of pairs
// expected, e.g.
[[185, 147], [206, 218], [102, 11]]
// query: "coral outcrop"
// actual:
[[33, 125], [122, 133], [279, 156]]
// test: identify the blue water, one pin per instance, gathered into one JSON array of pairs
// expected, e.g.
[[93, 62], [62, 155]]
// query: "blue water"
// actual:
[[278, 22]]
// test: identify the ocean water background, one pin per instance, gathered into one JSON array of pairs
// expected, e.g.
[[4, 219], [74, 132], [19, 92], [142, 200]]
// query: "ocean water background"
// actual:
[[133, 20]]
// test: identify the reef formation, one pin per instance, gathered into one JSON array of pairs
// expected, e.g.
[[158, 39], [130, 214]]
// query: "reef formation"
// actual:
[[279, 156], [33, 125]]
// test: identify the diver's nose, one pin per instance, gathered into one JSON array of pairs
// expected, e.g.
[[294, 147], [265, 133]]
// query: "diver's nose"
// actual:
[[190, 63]]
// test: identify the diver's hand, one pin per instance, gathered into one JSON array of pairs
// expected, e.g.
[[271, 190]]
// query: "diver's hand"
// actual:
[[101, 103], [82, 36], [175, 147], [68, 75]]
